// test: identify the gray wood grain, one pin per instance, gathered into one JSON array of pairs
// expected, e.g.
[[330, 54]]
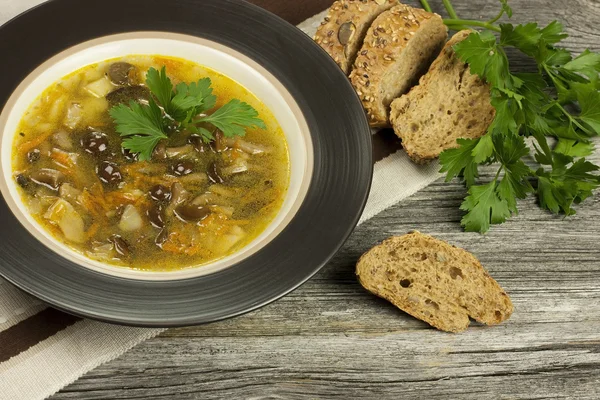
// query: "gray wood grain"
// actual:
[[331, 339]]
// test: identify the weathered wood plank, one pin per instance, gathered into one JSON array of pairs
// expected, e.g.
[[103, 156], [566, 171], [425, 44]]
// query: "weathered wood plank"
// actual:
[[331, 339]]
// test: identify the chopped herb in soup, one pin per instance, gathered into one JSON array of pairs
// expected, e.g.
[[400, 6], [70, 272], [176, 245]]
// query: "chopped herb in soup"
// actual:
[[149, 162]]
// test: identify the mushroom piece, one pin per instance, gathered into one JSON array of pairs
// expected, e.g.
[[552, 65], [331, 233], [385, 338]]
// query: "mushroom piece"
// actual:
[[214, 173], [178, 196], [160, 151], [120, 73], [50, 178], [192, 212], [94, 142], [181, 151], [22, 180], [183, 168], [208, 199], [161, 238], [120, 244], [109, 173], [155, 215], [138, 93], [245, 146], [33, 156], [239, 166], [160, 193], [199, 144]]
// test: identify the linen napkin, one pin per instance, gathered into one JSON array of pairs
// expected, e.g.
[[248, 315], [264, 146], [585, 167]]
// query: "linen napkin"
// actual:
[[43, 350]]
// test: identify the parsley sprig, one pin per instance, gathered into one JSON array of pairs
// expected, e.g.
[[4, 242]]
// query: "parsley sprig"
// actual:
[[184, 106], [561, 99]]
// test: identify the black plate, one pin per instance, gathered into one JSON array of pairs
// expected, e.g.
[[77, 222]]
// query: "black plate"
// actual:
[[335, 200]]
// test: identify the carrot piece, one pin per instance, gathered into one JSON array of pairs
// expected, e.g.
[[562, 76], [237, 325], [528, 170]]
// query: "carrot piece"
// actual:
[[33, 143], [62, 159], [93, 230]]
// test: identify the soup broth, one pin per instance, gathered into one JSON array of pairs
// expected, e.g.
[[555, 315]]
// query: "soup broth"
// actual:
[[194, 202]]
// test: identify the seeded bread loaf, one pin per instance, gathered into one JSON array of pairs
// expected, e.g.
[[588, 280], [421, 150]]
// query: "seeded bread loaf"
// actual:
[[434, 282], [398, 48], [343, 31], [449, 103]]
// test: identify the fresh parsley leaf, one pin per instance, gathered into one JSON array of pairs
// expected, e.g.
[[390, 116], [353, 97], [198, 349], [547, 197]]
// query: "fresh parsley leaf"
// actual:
[[514, 185], [523, 37], [161, 87], [204, 133], [584, 62], [191, 100], [574, 148], [486, 59], [568, 182], [186, 101], [506, 8], [484, 207], [589, 101], [142, 145], [483, 150], [141, 124], [459, 161], [560, 99], [553, 33], [556, 57], [234, 117], [506, 112]]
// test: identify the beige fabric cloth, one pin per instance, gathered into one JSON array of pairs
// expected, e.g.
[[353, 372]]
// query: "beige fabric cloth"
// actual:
[[45, 368]]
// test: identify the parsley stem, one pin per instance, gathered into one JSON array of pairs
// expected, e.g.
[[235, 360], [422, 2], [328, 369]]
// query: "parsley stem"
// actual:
[[450, 9], [426, 5], [569, 116], [459, 23], [500, 14], [498, 173]]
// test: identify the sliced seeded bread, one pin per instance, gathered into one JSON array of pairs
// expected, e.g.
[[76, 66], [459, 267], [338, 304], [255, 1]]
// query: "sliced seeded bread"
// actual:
[[434, 282], [398, 48], [343, 31], [449, 103]]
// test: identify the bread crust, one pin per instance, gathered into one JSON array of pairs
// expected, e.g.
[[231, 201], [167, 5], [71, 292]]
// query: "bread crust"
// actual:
[[342, 32], [434, 282], [390, 35], [449, 103]]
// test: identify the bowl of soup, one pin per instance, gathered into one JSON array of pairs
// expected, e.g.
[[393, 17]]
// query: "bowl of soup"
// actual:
[[172, 172], [195, 202]]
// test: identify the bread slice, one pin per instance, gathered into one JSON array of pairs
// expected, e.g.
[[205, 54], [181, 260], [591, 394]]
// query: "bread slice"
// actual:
[[449, 103], [343, 31], [434, 282], [398, 48]]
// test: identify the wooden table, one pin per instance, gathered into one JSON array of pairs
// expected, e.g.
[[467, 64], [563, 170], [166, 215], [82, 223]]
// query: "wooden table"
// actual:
[[331, 339]]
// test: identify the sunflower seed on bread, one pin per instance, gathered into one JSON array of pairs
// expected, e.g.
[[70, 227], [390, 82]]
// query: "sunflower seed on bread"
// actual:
[[398, 48], [434, 282], [449, 103], [344, 28]]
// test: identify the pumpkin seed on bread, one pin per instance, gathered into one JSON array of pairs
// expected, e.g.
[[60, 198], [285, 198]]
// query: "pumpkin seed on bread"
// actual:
[[449, 103], [398, 48], [434, 282], [343, 31]]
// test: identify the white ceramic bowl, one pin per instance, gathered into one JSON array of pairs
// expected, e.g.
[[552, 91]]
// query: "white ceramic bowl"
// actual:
[[204, 52]]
